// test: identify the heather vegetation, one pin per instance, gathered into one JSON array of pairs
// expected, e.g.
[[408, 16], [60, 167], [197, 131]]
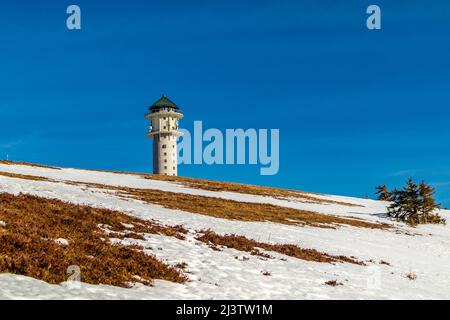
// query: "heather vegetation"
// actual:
[[220, 186], [29, 243], [243, 211], [242, 243], [224, 208]]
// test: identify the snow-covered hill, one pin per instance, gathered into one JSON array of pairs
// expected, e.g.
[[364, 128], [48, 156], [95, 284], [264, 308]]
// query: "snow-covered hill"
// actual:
[[397, 261]]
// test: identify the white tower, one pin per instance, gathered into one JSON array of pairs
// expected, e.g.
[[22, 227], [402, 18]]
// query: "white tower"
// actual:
[[164, 115]]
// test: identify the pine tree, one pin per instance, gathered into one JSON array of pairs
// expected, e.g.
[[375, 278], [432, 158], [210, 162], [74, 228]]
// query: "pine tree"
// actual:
[[411, 202], [383, 193], [402, 206], [414, 204], [428, 204]]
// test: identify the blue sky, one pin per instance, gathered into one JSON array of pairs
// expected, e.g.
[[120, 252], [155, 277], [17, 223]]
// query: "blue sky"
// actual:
[[355, 108]]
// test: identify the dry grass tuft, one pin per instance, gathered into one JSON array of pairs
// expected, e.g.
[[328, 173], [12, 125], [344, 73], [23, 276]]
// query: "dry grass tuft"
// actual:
[[411, 276], [242, 243], [27, 245], [333, 283]]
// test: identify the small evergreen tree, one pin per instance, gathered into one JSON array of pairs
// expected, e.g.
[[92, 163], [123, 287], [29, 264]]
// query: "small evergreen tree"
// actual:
[[414, 204], [383, 193], [428, 205], [405, 202]]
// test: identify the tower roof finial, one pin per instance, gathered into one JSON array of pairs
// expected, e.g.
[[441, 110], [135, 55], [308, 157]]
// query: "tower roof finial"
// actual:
[[163, 102]]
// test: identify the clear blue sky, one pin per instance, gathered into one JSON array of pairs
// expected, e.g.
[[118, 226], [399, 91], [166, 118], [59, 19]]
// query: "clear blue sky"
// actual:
[[355, 108]]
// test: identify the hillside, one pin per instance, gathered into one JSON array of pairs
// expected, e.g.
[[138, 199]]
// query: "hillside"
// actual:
[[136, 236]]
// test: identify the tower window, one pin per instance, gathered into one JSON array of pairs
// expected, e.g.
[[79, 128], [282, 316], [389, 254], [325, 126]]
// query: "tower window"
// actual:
[[165, 160], [164, 146], [165, 153], [165, 167], [173, 168]]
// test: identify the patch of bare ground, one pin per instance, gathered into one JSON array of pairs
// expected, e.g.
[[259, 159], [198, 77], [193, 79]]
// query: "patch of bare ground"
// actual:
[[226, 209], [218, 186], [28, 247], [27, 164], [242, 243]]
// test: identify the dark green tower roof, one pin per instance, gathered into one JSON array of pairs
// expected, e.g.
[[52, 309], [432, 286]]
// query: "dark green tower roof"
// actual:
[[163, 102]]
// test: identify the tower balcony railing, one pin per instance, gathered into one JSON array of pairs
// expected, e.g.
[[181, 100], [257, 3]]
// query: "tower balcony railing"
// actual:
[[171, 112], [175, 132]]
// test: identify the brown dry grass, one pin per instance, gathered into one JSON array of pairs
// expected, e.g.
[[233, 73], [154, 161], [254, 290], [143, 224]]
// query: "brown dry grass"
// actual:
[[24, 177], [242, 243], [385, 263], [226, 209], [27, 164], [218, 186], [333, 283], [181, 265], [27, 245], [243, 211], [411, 276]]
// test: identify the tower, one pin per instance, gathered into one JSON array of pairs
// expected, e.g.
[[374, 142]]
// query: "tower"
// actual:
[[164, 116]]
